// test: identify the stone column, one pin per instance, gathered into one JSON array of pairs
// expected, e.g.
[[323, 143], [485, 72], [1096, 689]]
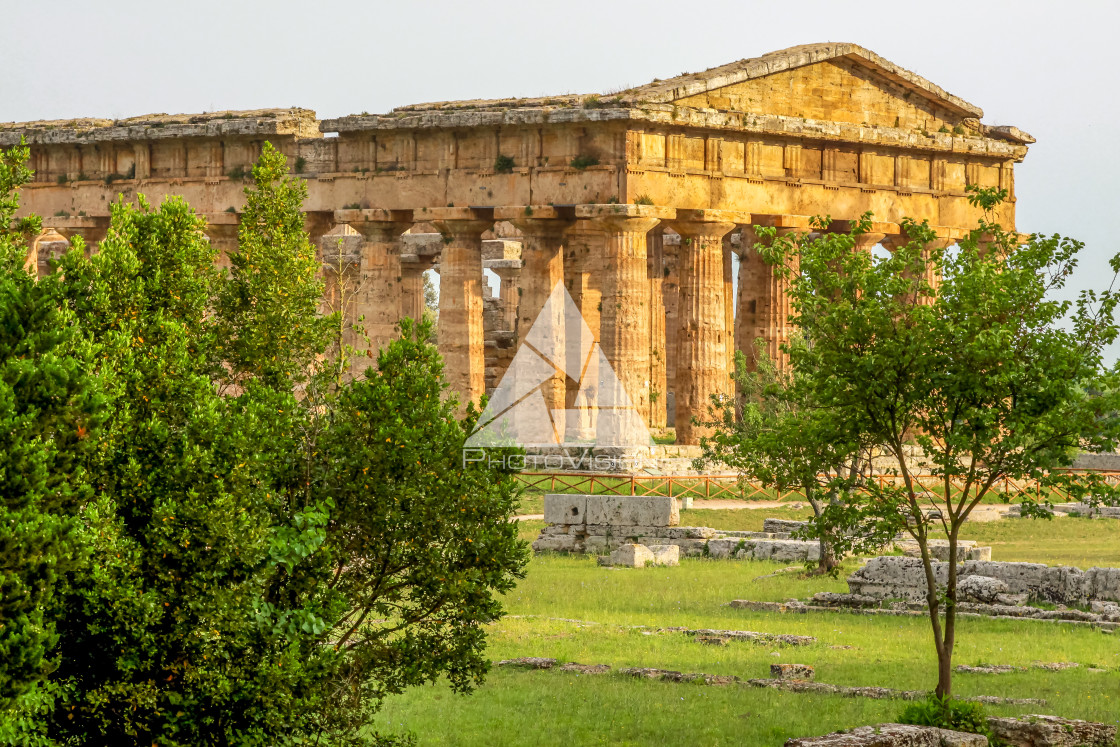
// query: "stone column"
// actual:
[[461, 336], [411, 303], [729, 299], [317, 223], [702, 334], [583, 254], [670, 296], [655, 267], [624, 319], [221, 229], [764, 302], [376, 288], [509, 273], [543, 231]]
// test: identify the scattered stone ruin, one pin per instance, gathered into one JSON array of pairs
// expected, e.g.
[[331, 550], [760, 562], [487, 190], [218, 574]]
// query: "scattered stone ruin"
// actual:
[[601, 524], [639, 203], [1024, 731], [988, 582]]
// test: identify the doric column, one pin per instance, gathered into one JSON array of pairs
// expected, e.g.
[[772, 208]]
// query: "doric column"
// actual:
[[729, 299], [376, 290], [669, 296], [221, 229], [411, 303], [624, 318], [655, 266], [702, 333], [509, 273], [543, 231], [461, 336], [764, 300], [583, 263]]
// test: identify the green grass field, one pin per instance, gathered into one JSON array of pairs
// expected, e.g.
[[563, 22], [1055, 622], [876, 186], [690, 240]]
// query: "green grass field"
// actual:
[[571, 609]]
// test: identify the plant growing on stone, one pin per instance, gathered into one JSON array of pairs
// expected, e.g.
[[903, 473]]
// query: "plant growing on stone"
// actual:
[[990, 376]]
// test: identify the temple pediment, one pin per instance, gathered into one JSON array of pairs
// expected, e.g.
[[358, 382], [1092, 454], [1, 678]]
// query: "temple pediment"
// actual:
[[842, 82]]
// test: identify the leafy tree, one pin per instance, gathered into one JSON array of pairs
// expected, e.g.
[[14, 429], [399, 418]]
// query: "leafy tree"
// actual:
[[773, 432], [268, 311], [990, 376], [258, 568], [48, 404]]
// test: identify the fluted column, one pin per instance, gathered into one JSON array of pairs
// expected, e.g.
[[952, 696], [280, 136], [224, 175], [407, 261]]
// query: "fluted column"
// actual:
[[583, 257], [669, 297], [376, 290], [411, 302], [624, 318], [509, 273], [764, 299], [543, 231], [461, 337], [702, 331], [655, 266], [729, 299]]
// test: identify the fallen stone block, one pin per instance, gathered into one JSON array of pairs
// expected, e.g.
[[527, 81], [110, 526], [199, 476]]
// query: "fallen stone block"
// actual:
[[783, 525], [691, 533], [559, 543], [630, 556], [529, 662], [1051, 731], [892, 735], [792, 671], [990, 669], [571, 666], [665, 554]]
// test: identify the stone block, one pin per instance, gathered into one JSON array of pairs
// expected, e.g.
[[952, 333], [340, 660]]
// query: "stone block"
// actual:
[[980, 553], [792, 672], [691, 548], [782, 525], [565, 509], [596, 545], [722, 548], [983, 589], [892, 735], [632, 510], [561, 543], [690, 533], [1103, 584], [1051, 731], [665, 554], [631, 556]]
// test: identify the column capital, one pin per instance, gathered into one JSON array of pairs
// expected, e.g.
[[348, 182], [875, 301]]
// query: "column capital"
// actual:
[[616, 213], [376, 224], [455, 221]]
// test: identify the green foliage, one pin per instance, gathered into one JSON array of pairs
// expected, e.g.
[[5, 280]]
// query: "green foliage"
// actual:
[[269, 322], [582, 162], [237, 172], [947, 713], [990, 375], [48, 404], [14, 235], [256, 569], [503, 164], [300, 164], [643, 199]]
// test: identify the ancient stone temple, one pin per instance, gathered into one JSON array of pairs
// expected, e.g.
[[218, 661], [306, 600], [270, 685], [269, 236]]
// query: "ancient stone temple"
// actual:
[[635, 201]]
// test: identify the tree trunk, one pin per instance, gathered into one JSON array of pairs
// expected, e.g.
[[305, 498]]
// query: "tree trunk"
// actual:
[[828, 560]]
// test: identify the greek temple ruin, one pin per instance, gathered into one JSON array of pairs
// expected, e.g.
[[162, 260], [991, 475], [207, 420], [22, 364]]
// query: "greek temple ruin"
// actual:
[[636, 201]]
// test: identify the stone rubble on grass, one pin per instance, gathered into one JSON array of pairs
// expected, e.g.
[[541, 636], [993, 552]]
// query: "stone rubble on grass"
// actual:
[[779, 639], [792, 671], [528, 662], [892, 735], [1051, 731], [892, 577], [571, 666]]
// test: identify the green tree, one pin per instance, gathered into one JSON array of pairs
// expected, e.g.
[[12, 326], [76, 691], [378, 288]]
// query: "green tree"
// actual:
[[48, 404], [990, 376], [772, 432], [269, 310]]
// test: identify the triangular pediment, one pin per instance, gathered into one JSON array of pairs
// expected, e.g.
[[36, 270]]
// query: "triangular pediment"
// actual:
[[845, 80]]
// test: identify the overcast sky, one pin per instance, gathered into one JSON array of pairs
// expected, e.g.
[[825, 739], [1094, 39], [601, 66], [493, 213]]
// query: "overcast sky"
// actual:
[[1050, 69]]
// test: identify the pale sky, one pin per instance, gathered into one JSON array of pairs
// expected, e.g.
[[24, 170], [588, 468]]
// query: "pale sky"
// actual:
[[1050, 69]]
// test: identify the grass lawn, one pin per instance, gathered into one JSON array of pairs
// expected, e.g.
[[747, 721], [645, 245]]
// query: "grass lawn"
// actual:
[[571, 609]]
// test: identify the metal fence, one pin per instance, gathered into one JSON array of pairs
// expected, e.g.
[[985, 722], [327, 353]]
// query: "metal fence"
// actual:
[[730, 486]]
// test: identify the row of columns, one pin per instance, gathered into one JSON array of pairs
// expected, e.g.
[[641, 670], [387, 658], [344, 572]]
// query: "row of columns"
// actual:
[[612, 259]]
